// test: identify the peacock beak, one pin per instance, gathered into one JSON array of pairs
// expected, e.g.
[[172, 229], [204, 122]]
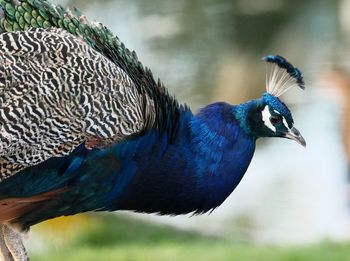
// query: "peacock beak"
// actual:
[[294, 134]]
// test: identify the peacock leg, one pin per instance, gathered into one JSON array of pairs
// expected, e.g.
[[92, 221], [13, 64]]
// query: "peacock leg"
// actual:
[[13, 241], [5, 254]]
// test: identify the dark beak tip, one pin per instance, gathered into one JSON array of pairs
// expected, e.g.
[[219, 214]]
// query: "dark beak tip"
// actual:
[[304, 144], [300, 139]]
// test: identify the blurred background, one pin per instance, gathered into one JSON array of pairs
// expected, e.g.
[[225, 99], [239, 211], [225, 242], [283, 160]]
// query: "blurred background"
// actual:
[[293, 203]]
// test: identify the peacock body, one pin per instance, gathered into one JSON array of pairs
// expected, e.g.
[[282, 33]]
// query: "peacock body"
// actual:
[[85, 127]]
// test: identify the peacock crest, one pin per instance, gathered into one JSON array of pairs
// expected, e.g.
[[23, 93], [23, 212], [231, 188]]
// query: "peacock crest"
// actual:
[[281, 75]]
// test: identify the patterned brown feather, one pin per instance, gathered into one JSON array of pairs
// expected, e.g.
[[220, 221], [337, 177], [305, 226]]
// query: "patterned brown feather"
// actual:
[[56, 92]]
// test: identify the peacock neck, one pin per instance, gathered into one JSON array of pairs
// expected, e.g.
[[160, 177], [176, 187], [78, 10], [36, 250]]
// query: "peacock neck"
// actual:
[[196, 171], [223, 148]]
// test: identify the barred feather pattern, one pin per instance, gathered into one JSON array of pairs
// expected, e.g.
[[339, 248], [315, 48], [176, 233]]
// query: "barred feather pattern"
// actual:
[[57, 92], [19, 15]]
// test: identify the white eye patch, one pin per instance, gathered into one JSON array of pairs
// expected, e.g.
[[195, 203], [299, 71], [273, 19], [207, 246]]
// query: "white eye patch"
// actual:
[[266, 118]]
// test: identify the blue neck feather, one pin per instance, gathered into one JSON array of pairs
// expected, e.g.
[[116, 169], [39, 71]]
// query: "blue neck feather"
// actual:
[[197, 172]]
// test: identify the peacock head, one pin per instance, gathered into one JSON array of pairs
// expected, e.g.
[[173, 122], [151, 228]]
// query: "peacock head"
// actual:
[[269, 116]]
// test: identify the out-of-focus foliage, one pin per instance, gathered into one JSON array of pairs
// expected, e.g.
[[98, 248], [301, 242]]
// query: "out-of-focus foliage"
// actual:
[[110, 237]]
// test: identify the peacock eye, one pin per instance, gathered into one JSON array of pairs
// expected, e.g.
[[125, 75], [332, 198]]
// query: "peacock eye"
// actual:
[[275, 119]]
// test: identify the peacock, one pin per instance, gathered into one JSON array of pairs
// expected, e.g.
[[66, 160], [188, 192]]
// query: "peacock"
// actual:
[[84, 126]]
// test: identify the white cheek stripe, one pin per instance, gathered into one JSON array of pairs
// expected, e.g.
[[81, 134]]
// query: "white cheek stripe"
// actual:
[[285, 123], [266, 118]]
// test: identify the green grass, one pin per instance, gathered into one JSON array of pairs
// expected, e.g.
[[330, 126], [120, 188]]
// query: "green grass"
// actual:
[[197, 251], [118, 238]]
